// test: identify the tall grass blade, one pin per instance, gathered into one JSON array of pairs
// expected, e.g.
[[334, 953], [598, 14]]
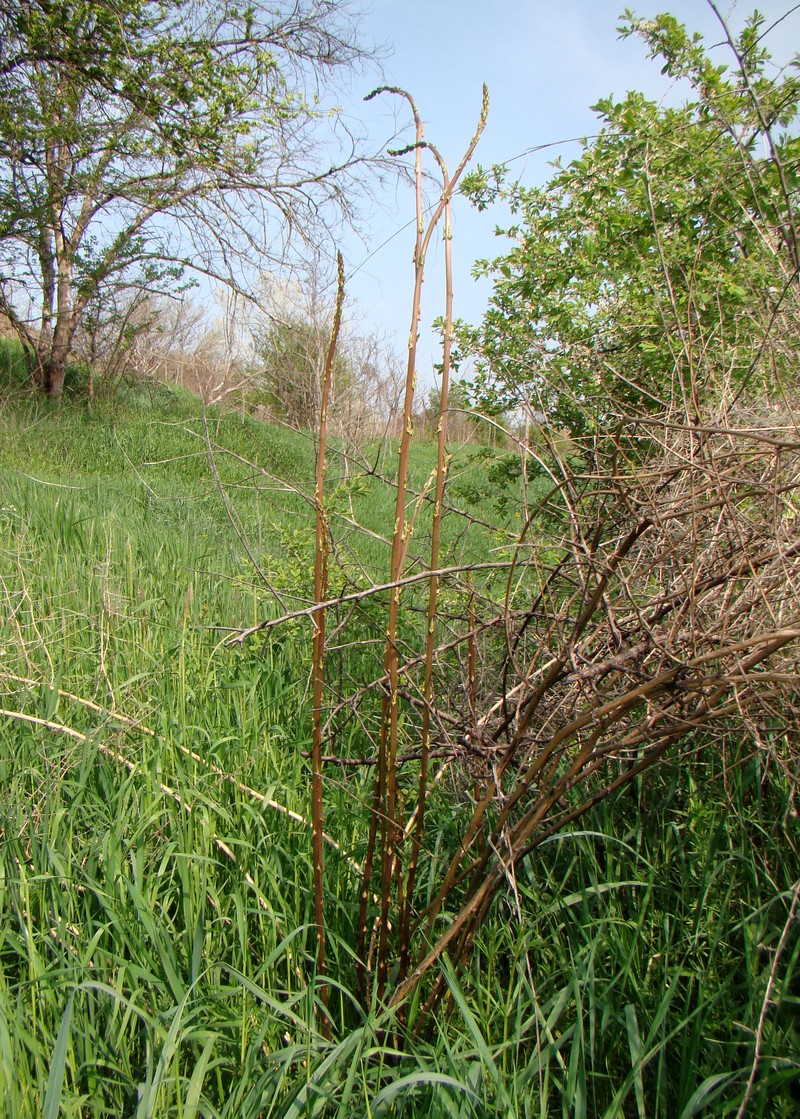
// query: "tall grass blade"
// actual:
[[58, 1063], [635, 1049]]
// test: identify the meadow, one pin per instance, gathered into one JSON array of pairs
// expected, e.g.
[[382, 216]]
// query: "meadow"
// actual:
[[157, 935]]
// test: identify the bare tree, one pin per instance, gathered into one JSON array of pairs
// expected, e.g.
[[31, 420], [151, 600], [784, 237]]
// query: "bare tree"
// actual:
[[291, 336]]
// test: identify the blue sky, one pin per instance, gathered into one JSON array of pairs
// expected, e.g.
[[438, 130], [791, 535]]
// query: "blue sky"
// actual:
[[545, 64]]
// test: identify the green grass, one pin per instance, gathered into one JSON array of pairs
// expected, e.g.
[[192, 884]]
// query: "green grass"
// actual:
[[13, 369], [156, 940]]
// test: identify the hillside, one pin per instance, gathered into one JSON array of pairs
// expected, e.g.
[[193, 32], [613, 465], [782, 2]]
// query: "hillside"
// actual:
[[157, 926]]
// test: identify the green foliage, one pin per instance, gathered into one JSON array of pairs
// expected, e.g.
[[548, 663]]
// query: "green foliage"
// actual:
[[13, 369], [666, 250], [457, 399], [292, 352]]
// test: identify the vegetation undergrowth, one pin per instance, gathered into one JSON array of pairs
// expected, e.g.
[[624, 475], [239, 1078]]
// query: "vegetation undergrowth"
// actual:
[[121, 575], [157, 923]]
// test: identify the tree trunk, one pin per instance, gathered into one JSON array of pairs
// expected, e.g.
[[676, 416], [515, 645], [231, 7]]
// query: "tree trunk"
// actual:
[[53, 378], [58, 329], [53, 368]]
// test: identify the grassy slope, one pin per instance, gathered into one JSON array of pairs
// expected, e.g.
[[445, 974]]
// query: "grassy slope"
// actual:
[[155, 951]]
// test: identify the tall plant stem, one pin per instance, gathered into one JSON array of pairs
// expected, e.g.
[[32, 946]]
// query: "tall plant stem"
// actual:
[[318, 655], [385, 803], [384, 800], [442, 462]]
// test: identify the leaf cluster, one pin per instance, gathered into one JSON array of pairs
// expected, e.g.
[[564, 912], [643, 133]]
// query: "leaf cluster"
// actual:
[[671, 233], [291, 355]]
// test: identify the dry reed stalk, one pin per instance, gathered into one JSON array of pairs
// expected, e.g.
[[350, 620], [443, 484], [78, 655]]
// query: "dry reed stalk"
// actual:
[[416, 825], [318, 654], [380, 817], [386, 821]]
